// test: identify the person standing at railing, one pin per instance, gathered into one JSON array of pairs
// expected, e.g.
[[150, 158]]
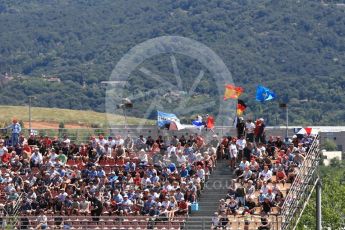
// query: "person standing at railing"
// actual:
[[16, 129]]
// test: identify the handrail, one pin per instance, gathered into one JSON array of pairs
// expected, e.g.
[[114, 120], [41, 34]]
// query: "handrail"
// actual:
[[83, 134], [298, 194]]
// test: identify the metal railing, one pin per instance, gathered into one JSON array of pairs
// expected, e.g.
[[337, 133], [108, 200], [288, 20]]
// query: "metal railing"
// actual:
[[136, 222], [301, 188], [83, 134]]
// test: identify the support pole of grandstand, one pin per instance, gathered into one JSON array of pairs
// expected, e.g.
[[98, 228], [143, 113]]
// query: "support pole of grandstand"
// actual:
[[287, 121], [318, 205]]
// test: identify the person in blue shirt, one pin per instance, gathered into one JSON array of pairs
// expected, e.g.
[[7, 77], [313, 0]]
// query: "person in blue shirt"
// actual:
[[184, 172], [100, 172], [154, 178], [117, 197], [147, 205], [16, 129]]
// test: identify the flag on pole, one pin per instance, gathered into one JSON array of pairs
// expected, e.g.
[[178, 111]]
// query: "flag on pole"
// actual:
[[165, 119], [198, 122], [232, 91], [241, 107], [210, 122], [264, 94]]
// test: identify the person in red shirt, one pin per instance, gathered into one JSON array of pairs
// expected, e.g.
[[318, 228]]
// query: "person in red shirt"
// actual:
[[182, 207], [26, 151], [137, 179], [47, 142], [6, 157]]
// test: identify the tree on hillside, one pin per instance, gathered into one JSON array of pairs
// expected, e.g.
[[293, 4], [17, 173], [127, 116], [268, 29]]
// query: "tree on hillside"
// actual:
[[333, 199]]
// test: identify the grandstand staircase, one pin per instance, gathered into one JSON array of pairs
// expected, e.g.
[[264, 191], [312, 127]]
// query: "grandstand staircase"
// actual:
[[215, 189]]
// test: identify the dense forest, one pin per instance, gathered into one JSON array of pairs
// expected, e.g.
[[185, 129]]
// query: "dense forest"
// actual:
[[294, 47]]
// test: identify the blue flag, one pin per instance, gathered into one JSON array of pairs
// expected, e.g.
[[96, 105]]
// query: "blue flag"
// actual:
[[164, 119], [264, 94], [198, 122]]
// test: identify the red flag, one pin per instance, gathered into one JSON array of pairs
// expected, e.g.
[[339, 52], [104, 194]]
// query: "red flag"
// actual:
[[308, 130], [232, 91], [210, 122]]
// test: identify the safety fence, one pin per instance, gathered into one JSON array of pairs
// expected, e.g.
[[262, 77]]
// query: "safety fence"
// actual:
[[83, 135], [302, 187]]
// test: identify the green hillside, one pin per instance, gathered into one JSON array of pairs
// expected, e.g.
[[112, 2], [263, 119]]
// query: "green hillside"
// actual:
[[67, 116], [297, 48]]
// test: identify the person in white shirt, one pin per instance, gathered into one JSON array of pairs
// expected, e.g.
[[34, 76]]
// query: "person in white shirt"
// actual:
[[119, 140], [52, 156], [215, 221], [111, 142], [233, 154], [2, 148], [36, 158], [181, 159], [84, 207], [42, 221], [143, 157], [266, 174], [171, 149], [101, 140], [107, 150], [67, 141], [241, 144], [250, 127]]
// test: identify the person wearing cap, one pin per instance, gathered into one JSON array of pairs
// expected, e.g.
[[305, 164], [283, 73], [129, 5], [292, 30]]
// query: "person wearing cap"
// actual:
[[126, 205], [16, 129]]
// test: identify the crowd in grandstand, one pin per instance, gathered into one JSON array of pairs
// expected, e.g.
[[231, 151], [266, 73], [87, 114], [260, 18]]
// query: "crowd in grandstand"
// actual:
[[127, 176], [258, 165]]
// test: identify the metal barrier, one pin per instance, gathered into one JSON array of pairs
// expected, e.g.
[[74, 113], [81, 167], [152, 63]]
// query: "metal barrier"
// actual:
[[135, 222], [83, 135], [302, 188]]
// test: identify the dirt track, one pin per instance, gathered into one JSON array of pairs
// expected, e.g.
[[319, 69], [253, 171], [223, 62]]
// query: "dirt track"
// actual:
[[51, 125]]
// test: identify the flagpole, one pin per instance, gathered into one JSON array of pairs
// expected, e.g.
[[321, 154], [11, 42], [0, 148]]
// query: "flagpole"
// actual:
[[287, 121]]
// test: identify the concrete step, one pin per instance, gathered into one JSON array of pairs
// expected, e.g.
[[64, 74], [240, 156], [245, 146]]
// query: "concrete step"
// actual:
[[215, 189]]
